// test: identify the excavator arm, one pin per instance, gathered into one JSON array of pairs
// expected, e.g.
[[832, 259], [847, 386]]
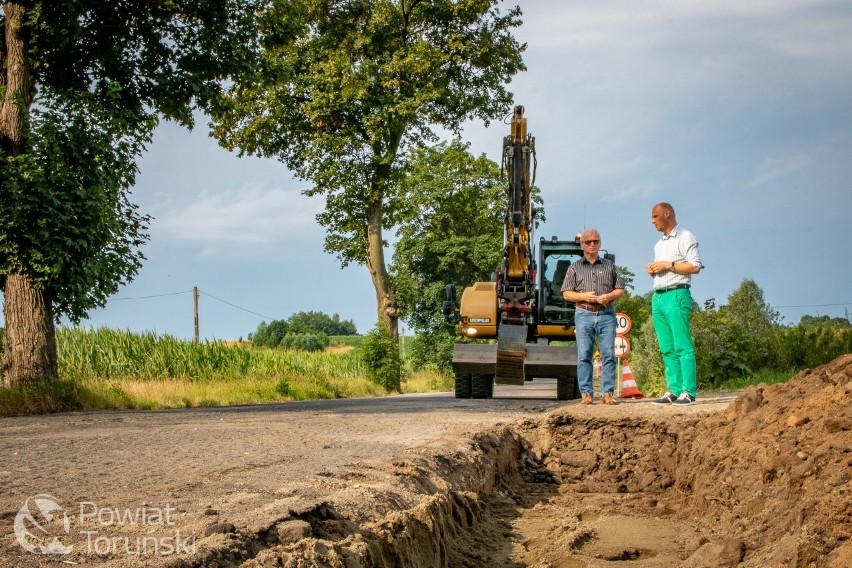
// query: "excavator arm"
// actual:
[[515, 278]]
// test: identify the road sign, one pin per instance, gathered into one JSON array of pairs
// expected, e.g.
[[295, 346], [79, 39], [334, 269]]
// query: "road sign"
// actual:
[[622, 323], [622, 346]]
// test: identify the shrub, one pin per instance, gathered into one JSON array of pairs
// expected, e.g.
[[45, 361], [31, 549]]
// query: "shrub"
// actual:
[[380, 355], [283, 387], [304, 341], [434, 347], [645, 360], [808, 345]]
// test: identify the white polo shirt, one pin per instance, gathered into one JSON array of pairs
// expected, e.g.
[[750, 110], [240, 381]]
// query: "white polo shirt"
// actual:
[[679, 246]]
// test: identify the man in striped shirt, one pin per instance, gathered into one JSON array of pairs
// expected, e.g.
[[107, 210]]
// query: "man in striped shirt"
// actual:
[[594, 284], [676, 259]]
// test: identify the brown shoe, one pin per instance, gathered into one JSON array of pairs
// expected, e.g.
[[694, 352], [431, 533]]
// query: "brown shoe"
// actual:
[[607, 399], [587, 399]]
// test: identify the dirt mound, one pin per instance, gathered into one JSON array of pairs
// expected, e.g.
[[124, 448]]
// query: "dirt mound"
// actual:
[[776, 468], [765, 483]]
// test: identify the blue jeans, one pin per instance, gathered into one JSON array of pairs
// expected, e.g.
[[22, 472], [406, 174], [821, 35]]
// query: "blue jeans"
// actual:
[[588, 325]]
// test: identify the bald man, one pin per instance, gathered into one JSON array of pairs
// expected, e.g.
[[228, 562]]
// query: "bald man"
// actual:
[[676, 259]]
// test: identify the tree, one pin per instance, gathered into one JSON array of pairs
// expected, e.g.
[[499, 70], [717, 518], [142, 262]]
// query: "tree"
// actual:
[[748, 307], [807, 320], [319, 322], [270, 334], [302, 323], [748, 312], [450, 231], [82, 84], [343, 88]]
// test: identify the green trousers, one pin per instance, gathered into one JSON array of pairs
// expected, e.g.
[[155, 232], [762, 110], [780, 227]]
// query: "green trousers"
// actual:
[[671, 312]]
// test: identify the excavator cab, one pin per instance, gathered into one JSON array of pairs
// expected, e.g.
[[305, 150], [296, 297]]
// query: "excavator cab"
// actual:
[[556, 309], [555, 315]]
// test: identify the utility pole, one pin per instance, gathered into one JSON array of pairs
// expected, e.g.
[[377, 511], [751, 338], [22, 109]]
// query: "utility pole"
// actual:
[[195, 310]]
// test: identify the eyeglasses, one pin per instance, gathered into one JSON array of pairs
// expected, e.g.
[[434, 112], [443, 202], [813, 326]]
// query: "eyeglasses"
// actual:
[[592, 242]]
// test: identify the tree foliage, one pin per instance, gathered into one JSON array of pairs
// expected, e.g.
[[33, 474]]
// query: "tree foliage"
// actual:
[[319, 322], [742, 337], [450, 231], [315, 324], [82, 85], [450, 226], [67, 220], [344, 88]]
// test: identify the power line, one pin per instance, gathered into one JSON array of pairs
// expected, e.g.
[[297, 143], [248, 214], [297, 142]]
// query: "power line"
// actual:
[[190, 292], [234, 305], [154, 296]]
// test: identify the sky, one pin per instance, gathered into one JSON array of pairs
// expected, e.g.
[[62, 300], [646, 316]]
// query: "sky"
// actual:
[[738, 113]]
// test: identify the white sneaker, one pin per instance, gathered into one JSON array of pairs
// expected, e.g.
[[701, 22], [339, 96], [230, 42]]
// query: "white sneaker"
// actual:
[[684, 399], [667, 398]]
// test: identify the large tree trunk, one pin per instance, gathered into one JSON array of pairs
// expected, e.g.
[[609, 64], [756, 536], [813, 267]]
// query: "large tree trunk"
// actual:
[[385, 298], [29, 352], [29, 349], [17, 79]]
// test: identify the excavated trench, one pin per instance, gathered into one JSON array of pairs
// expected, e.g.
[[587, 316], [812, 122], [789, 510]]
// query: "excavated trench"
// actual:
[[765, 483]]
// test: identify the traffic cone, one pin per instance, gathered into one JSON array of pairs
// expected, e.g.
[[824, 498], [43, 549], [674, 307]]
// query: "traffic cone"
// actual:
[[628, 383]]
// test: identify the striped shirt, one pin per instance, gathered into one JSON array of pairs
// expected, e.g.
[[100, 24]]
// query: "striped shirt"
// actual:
[[679, 246], [601, 277]]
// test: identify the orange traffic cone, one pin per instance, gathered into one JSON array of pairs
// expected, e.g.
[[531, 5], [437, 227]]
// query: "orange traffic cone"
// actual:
[[628, 383]]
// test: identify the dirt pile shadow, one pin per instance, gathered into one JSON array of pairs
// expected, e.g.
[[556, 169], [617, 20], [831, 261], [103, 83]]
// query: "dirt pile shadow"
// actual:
[[765, 483]]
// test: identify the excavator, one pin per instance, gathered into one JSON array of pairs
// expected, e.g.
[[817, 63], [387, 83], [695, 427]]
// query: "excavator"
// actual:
[[522, 306]]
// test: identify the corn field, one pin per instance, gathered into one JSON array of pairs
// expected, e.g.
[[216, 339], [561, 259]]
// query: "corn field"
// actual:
[[107, 354], [107, 368]]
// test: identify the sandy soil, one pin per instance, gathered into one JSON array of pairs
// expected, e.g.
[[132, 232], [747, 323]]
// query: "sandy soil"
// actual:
[[761, 478]]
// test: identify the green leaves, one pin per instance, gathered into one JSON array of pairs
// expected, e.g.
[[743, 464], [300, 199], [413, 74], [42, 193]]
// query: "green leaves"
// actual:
[[380, 355], [450, 230], [103, 71], [166, 56], [341, 90], [66, 219], [313, 323]]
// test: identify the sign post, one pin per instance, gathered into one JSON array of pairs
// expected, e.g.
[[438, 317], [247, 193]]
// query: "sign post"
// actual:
[[622, 344]]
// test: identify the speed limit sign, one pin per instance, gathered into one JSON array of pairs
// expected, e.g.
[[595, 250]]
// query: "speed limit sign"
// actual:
[[622, 323], [622, 346]]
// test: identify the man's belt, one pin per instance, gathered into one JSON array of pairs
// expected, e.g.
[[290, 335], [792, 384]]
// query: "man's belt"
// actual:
[[591, 307], [672, 287]]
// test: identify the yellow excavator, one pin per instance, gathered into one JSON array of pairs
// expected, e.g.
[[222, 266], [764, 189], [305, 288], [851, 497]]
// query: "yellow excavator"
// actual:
[[522, 307]]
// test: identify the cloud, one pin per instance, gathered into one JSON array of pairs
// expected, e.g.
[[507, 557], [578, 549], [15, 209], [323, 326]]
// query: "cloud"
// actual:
[[253, 215], [775, 168]]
